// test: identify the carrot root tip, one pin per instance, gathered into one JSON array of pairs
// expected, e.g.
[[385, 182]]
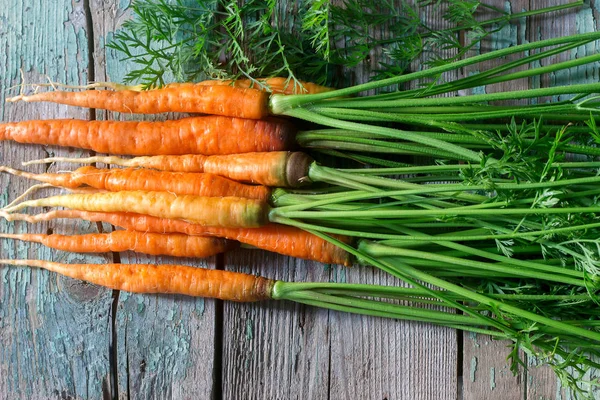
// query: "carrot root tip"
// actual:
[[15, 98], [26, 193]]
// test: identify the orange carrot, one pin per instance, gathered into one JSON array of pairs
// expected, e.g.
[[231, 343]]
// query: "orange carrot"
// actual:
[[281, 169], [282, 239], [169, 244], [195, 135], [186, 98], [275, 85], [231, 212], [147, 278], [149, 180], [275, 168]]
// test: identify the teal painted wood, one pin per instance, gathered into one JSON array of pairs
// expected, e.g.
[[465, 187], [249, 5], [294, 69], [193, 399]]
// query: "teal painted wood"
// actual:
[[165, 344], [54, 332]]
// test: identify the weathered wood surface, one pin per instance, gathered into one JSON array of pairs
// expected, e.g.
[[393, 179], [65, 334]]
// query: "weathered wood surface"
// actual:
[[55, 333], [62, 338]]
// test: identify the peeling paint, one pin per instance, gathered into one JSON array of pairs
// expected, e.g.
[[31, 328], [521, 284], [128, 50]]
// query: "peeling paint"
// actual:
[[141, 307], [473, 337], [473, 369], [249, 329], [201, 306]]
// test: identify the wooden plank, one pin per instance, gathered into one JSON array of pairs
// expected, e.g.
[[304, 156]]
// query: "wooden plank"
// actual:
[[486, 372], [375, 358], [54, 331], [275, 350], [165, 344]]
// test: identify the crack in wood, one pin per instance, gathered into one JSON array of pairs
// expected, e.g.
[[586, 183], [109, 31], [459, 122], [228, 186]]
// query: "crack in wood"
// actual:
[[217, 390]]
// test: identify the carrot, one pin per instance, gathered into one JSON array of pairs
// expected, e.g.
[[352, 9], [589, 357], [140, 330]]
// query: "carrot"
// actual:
[[275, 85], [149, 180], [195, 135], [282, 169], [275, 168], [179, 279], [186, 98], [231, 212], [169, 244], [282, 239]]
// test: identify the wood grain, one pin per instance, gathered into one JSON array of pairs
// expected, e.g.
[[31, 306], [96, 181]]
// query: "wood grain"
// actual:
[[275, 350], [486, 372], [54, 331]]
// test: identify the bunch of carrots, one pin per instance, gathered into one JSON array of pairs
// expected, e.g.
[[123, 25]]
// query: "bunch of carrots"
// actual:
[[198, 178], [512, 215]]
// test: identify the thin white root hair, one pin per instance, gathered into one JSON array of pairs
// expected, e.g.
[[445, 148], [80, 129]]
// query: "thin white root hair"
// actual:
[[84, 160], [57, 85], [26, 193]]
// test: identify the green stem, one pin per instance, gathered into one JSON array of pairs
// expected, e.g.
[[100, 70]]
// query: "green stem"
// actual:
[[319, 173], [389, 309], [281, 105], [414, 277], [369, 145], [528, 269], [328, 175], [432, 169], [487, 77], [513, 235], [450, 188], [367, 103], [385, 132], [392, 214]]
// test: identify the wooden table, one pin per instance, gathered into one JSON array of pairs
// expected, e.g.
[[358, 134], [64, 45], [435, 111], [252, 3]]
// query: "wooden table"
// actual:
[[61, 338]]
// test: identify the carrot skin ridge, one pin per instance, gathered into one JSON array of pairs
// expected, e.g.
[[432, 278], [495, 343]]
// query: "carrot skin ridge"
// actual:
[[231, 212], [206, 135], [271, 237], [172, 279], [182, 183], [192, 98], [169, 244]]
